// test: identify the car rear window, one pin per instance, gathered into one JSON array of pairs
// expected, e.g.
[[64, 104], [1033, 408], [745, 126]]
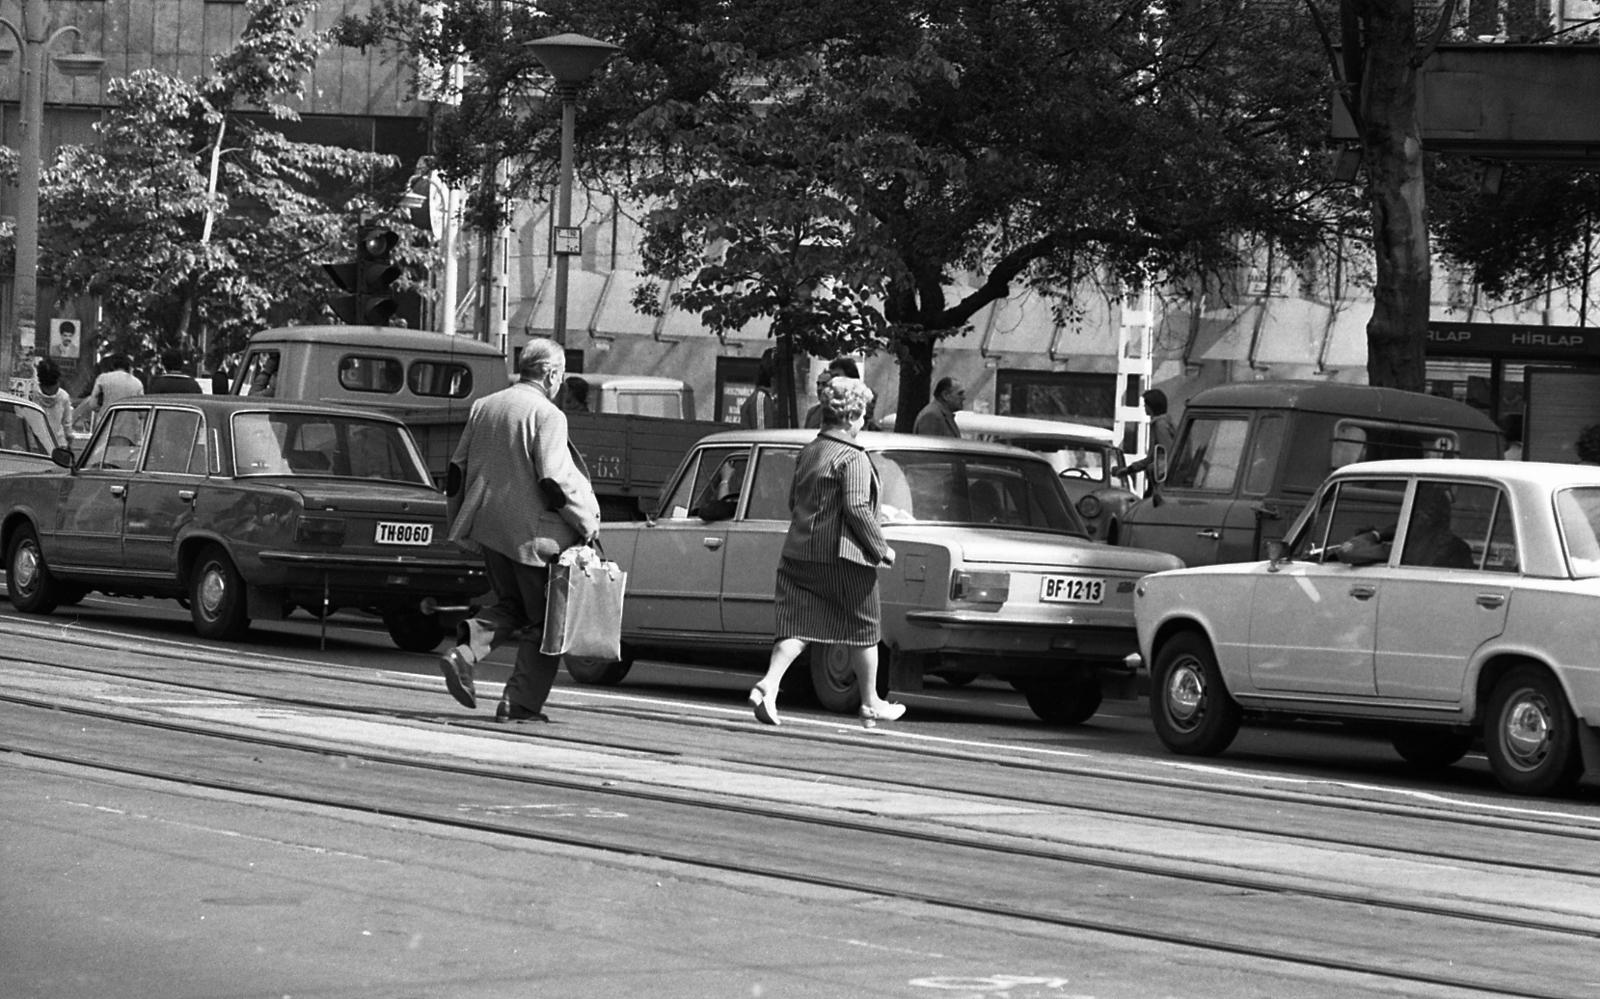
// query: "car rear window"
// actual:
[[984, 490], [324, 445]]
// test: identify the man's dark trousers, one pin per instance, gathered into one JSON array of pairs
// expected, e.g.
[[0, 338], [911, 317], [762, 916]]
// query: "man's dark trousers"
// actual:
[[519, 591]]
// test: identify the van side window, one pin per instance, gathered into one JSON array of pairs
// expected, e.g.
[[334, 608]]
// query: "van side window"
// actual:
[[370, 374], [1210, 454], [260, 376], [444, 379]]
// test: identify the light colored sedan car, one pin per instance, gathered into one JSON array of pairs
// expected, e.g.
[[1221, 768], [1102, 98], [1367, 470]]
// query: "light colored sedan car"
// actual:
[[994, 572], [1442, 598]]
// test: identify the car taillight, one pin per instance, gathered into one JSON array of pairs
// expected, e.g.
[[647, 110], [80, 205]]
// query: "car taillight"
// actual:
[[980, 587], [320, 531]]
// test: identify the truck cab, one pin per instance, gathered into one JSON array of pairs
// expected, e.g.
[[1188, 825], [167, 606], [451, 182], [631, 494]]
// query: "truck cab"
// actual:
[[1249, 456]]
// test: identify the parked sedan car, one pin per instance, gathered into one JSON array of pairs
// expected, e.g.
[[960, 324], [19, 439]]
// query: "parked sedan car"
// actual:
[[1083, 456], [995, 573], [243, 508], [1442, 599]]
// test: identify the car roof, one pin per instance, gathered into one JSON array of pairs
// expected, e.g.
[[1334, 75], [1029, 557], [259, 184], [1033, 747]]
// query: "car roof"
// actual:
[[377, 338], [884, 441], [227, 405], [1541, 473], [1346, 399], [14, 399], [1030, 427]]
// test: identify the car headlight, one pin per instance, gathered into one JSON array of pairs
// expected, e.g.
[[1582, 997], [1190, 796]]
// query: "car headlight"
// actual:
[[1089, 507], [320, 531], [988, 588]]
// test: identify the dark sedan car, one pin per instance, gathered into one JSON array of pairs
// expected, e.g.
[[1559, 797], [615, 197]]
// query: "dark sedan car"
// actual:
[[240, 508]]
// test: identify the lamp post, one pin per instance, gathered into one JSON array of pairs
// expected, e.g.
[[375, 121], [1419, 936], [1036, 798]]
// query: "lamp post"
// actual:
[[34, 43], [571, 59]]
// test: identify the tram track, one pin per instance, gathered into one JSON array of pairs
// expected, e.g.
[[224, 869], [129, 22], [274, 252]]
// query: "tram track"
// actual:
[[273, 665], [821, 829]]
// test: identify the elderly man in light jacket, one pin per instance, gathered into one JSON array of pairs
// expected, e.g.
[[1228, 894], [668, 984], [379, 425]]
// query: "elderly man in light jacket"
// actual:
[[522, 501]]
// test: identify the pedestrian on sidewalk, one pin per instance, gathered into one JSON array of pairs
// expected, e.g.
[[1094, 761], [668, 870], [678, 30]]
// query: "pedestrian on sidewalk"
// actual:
[[523, 501], [827, 587]]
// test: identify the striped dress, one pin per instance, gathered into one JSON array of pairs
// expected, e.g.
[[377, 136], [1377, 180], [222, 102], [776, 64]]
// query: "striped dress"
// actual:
[[827, 586]]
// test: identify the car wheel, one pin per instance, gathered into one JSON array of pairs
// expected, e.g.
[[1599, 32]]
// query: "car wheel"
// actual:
[[958, 679], [1193, 712], [833, 682], [30, 584], [1530, 734], [217, 600], [1430, 746], [598, 672], [1063, 700], [410, 629]]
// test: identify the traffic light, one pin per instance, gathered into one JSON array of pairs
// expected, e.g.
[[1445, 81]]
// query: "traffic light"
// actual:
[[368, 280]]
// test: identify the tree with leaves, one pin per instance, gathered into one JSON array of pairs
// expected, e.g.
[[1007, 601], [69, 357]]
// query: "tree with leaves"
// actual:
[[194, 213]]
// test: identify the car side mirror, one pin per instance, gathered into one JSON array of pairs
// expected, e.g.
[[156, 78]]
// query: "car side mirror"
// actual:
[[62, 456], [1277, 554]]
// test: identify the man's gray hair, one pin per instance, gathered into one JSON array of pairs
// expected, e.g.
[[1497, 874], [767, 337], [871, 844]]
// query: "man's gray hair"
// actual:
[[539, 357]]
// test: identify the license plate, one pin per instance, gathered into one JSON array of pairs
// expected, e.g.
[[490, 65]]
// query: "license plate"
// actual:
[[392, 533], [1072, 590]]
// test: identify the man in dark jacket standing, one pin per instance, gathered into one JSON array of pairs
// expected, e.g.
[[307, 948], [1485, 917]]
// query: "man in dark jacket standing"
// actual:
[[522, 501], [170, 377]]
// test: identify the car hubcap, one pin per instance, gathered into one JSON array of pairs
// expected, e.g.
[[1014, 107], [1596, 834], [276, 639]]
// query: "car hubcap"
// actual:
[[840, 674], [213, 588], [26, 567], [1186, 694], [1528, 730]]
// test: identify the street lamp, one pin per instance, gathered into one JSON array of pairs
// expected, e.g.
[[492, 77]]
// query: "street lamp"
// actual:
[[571, 59], [34, 43]]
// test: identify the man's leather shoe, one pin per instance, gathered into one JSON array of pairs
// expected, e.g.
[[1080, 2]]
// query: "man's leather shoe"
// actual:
[[457, 672], [508, 712]]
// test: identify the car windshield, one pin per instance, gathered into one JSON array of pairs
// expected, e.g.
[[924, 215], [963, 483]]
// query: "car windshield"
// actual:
[[1578, 510], [324, 445], [1075, 458], [979, 490]]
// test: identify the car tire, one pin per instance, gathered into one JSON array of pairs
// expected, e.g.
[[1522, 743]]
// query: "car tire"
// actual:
[[410, 629], [1430, 747], [30, 584], [1193, 712], [833, 682], [1530, 734], [217, 599], [1062, 700], [598, 672]]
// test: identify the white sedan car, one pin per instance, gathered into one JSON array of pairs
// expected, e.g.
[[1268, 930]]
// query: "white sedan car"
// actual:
[[1445, 598]]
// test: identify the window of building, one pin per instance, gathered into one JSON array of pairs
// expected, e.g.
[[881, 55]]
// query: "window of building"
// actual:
[[371, 374], [1081, 397]]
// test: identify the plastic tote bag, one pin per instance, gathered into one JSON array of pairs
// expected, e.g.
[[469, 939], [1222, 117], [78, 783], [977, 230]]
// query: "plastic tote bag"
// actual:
[[583, 606]]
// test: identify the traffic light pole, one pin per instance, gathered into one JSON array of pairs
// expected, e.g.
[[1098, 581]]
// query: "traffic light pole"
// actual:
[[569, 125]]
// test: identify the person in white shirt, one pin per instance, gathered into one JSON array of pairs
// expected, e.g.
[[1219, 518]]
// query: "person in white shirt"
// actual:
[[54, 400], [112, 386]]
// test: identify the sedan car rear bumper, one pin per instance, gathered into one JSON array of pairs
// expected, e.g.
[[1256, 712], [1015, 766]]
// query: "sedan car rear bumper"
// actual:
[[398, 563]]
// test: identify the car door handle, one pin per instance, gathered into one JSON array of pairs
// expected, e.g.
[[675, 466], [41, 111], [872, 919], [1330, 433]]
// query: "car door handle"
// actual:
[[1361, 592], [187, 495], [712, 543], [119, 491], [1210, 532], [1491, 600]]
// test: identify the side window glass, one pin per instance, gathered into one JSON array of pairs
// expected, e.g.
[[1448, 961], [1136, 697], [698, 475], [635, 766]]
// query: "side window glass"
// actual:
[[1364, 507], [1502, 555], [172, 439], [1262, 465], [21, 429], [1309, 546], [676, 506], [720, 484], [445, 379], [769, 491], [371, 374], [260, 376], [1449, 525], [121, 442], [1210, 454]]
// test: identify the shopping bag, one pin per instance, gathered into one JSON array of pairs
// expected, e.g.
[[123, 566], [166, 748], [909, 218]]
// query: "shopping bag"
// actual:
[[583, 606]]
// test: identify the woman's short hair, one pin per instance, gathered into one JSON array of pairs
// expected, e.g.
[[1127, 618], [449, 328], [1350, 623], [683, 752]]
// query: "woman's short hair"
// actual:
[[843, 400]]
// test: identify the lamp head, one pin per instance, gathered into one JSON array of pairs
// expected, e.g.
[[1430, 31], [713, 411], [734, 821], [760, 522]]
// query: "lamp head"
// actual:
[[571, 58], [78, 62]]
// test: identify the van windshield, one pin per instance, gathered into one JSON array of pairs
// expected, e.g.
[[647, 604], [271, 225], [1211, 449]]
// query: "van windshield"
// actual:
[[324, 445]]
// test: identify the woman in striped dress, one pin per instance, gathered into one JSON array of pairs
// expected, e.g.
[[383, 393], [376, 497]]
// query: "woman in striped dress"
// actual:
[[827, 589]]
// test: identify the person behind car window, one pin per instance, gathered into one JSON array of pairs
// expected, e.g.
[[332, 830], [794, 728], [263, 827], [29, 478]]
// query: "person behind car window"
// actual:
[[1429, 541], [759, 411], [827, 586], [55, 402], [264, 382], [114, 385], [170, 376]]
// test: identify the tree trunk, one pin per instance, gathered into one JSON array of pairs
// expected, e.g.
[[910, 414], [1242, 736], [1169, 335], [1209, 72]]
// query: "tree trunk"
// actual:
[[916, 368], [1391, 138]]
